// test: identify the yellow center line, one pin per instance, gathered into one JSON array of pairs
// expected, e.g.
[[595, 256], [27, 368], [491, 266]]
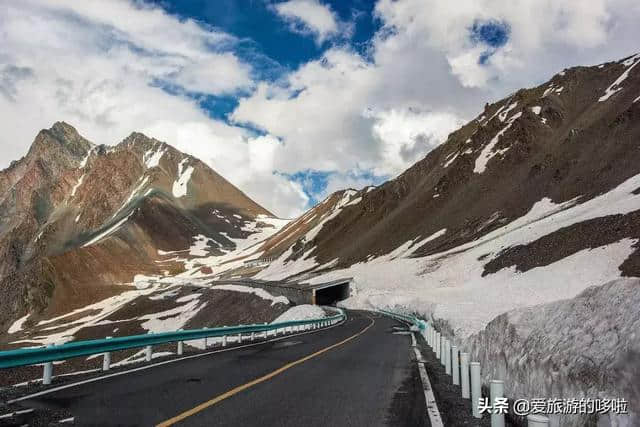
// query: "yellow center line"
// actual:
[[264, 378]]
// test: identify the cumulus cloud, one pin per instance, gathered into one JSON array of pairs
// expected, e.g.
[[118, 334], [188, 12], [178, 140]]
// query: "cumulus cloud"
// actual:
[[101, 66], [310, 17], [431, 66]]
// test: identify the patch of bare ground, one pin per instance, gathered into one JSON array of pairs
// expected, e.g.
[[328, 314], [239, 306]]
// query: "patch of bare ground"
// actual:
[[567, 241]]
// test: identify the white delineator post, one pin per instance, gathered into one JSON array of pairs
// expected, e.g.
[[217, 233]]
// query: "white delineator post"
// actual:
[[438, 345], [537, 420], [47, 371], [464, 374], [455, 365], [240, 338], [106, 360], [224, 340], [442, 350], [180, 346], [148, 353], [476, 388], [447, 356], [496, 389]]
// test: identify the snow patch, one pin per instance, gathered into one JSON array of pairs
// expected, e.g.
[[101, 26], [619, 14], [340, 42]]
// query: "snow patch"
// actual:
[[503, 115], [200, 244], [17, 325], [261, 293], [536, 110], [615, 86], [180, 185], [451, 159], [78, 184], [152, 157], [109, 230], [301, 312], [487, 153]]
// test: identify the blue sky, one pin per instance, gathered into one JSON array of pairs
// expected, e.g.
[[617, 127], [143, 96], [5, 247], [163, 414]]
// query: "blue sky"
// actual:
[[274, 50], [289, 100]]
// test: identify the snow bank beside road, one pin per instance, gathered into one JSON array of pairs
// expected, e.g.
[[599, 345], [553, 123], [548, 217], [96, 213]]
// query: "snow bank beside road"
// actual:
[[301, 312], [587, 346]]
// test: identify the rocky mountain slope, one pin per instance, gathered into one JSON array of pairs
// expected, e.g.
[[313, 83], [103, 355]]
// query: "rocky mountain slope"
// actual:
[[566, 141], [497, 234], [80, 223]]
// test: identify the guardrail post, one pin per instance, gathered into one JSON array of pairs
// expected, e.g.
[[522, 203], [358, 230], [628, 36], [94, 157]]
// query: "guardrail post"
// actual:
[[443, 359], [47, 371], [224, 340], [253, 336], [447, 356], [496, 388], [455, 365], [438, 345], [206, 340], [240, 338], [464, 374], [180, 346], [148, 353], [106, 360], [476, 388], [537, 420]]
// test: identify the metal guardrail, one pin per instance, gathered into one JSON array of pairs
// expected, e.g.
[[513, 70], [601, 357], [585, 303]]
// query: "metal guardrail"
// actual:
[[463, 372], [418, 323], [32, 356]]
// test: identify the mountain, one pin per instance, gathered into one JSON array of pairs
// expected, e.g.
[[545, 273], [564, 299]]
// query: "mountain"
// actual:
[[82, 223], [514, 218], [566, 141]]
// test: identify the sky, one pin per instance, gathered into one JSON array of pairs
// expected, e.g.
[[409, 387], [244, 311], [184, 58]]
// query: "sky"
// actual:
[[289, 100]]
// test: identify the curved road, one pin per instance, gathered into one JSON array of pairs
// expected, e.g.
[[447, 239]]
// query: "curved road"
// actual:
[[359, 373]]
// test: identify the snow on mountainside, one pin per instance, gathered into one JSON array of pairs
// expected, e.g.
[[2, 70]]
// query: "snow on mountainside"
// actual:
[[531, 203], [78, 222]]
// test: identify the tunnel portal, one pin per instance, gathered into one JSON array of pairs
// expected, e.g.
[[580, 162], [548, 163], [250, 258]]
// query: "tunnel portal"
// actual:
[[330, 294]]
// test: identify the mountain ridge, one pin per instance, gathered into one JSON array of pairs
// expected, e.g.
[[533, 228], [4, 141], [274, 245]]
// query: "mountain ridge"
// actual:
[[74, 213]]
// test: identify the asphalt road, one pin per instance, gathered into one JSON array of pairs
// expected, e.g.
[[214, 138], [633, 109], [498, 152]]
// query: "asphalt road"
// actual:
[[356, 374]]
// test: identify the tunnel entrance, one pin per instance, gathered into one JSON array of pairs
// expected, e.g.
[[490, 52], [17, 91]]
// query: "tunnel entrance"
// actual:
[[330, 295]]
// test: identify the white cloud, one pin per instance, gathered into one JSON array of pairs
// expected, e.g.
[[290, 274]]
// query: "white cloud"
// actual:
[[545, 35], [94, 65], [342, 112], [310, 17], [97, 65]]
